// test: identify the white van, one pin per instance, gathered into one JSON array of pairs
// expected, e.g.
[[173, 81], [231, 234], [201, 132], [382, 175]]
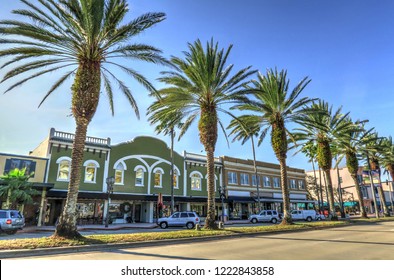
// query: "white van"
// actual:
[[307, 215]]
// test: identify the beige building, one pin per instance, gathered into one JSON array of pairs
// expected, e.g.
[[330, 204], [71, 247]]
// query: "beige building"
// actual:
[[349, 195]]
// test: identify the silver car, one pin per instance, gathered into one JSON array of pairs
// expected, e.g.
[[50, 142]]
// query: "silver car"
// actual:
[[180, 219], [11, 221], [265, 216]]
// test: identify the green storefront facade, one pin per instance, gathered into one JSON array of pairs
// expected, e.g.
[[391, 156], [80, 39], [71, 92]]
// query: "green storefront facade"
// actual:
[[142, 171]]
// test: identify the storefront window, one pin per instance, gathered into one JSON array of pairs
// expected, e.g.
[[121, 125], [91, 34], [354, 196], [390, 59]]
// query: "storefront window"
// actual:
[[200, 209]]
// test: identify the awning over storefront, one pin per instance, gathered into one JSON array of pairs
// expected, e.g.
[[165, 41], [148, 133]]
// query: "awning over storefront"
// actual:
[[241, 199]]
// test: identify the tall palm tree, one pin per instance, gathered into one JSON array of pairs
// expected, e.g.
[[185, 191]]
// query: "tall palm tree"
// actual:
[[166, 122], [275, 106], [323, 126], [388, 160], [352, 146], [375, 155], [199, 88], [243, 129], [81, 37]]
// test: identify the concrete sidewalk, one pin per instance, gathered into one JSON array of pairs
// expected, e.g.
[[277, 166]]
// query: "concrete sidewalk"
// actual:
[[114, 226]]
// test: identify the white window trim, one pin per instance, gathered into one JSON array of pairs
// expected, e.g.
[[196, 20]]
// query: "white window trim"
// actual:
[[228, 177], [191, 176], [161, 177], [240, 177], [124, 168], [143, 175], [97, 165], [58, 161]]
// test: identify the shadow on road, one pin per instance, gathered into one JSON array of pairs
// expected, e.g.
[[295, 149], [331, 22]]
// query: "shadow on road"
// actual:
[[120, 251]]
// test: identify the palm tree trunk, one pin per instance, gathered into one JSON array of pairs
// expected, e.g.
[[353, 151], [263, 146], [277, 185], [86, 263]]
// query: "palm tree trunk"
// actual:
[[383, 206], [172, 171], [315, 178], [285, 193], [210, 220], [331, 200], [360, 196], [85, 98], [67, 226]]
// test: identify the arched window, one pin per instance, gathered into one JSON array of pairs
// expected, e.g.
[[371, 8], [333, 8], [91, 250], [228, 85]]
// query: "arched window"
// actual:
[[91, 171], [63, 173], [195, 178], [139, 175], [119, 173], [176, 176], [158, 173]]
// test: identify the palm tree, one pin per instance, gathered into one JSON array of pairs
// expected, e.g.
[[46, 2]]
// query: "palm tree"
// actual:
[[375, 154], [273, 108], [81, 37], [323, 126], [388, 160], [166, 122], [199, 88], [352, 146], [243, 129], [16, 189]]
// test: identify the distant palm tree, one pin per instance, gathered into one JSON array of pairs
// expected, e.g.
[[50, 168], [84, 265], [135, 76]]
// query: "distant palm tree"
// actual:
[[166, 122], [81, 37], [352, 146], [275, 106], [243, 129], [323, 127], [388, 160], [376, 151], [200, 88]]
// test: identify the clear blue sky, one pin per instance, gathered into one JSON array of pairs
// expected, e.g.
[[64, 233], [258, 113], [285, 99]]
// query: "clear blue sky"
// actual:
[[345, 47]]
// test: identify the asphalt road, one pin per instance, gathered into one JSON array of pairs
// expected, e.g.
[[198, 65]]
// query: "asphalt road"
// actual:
[[356, 242]]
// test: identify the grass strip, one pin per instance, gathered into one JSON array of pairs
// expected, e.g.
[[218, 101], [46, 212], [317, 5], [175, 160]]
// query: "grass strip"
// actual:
[[50, 242]]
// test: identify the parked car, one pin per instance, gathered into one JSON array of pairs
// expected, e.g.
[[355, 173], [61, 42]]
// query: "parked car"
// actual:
[[180, 219], [320, 217], [265, 216], [307, 215], [11, 221]]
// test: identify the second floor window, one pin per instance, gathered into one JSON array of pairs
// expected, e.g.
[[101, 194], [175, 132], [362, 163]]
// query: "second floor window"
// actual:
[[175, 176], [232, 178], [301, 185], [119, 173], [276, 182], [293, 184], [244, 179], [158, 177], [139, 176], [267, 181], [90, 172], [63, 173], [196, 182]]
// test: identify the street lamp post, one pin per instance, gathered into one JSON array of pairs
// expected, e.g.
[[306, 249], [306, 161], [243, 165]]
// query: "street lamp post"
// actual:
[[222, 192], [110, 189]]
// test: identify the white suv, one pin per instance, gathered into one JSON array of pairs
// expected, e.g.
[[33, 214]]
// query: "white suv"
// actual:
[[265, 216], [180, 219]]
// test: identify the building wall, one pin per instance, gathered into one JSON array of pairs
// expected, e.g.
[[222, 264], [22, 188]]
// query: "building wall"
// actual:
[[41, 150], [150, 153], [34, 164], [57, 152]]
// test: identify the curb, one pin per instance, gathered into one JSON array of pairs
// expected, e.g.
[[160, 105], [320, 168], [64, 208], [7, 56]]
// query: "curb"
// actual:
[[96, 247]]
